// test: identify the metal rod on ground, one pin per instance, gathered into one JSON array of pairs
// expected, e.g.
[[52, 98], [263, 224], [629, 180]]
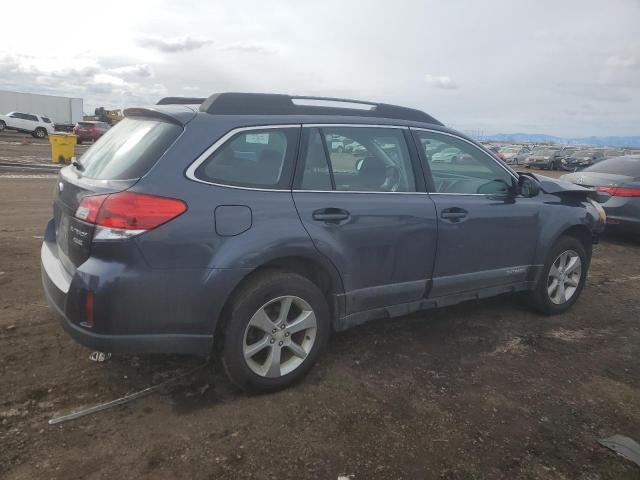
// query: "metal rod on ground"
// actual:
[[121, 400]]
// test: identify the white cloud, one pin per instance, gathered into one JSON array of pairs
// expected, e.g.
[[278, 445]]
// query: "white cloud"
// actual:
[[184, 43], [250, 47], [624, 61], [495, 66], [440, 81]]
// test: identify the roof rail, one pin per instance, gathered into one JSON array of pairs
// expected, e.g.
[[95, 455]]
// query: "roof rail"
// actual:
[[180, 101], [278, 104]]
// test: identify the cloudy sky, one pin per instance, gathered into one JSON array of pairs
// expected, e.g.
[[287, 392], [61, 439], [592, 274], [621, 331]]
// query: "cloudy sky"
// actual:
[[565, 67]]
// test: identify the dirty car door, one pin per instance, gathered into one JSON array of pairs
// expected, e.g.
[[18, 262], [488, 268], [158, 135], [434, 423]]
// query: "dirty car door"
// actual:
[[363, 211]]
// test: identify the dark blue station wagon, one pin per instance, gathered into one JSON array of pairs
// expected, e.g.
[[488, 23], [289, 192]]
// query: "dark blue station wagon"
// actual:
[[250, 226]]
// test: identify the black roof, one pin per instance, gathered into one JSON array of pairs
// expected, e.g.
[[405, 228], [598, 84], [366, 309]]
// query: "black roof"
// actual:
[[278, 104]]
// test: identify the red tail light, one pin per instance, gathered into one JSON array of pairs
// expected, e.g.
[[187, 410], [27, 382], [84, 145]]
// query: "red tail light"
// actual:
[[620, 191], [129, 211]]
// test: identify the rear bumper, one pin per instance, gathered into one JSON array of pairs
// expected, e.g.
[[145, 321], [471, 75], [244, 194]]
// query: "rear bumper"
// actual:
[[623, 214], [199, 345], [622, 224], [138, 310]]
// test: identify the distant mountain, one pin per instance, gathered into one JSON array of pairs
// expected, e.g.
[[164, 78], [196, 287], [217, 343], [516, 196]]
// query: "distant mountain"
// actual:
[[541, 138]]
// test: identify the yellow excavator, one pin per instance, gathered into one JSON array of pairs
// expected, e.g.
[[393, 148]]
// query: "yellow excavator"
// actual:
[[103, 115]]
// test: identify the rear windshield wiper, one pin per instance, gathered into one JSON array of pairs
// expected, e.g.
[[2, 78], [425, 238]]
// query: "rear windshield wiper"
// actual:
[[78, 165]]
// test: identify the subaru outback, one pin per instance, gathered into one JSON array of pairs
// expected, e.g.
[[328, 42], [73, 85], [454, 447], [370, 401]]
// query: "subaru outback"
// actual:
[[230, 227]]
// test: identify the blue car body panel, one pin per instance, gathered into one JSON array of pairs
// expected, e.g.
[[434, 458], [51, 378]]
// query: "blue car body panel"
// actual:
[[166, 289]]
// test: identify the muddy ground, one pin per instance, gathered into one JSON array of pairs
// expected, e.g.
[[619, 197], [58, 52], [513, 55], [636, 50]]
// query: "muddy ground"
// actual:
[[482, 390]]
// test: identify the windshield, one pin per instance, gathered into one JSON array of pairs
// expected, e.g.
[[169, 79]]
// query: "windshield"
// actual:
[[510, 149], [545, 153], [129, 150], [582, 153], [629, 165]]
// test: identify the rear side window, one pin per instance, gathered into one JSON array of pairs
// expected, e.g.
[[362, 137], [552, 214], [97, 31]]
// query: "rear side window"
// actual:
[[46, 120], [128, 150], [253, 158]]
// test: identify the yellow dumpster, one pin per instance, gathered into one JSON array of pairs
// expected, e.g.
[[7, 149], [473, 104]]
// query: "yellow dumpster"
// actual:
[[62, 146]]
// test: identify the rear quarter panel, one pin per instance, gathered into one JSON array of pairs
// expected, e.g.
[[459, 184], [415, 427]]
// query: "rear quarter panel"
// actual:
[[192, 242]]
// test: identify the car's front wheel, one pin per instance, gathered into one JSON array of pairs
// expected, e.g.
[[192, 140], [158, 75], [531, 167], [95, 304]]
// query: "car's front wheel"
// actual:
[[563, 277], [275, 329], [2, 125], [39, 132]]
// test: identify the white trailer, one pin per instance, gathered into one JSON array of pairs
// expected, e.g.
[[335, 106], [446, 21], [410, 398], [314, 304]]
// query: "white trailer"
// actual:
[[62, 110]]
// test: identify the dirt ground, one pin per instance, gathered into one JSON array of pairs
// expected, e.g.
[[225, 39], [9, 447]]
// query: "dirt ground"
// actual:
[[482, 390], [21, 152]]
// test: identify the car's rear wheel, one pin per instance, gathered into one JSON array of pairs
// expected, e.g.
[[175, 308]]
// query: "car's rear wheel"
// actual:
[[39, 132], [562, 279], [275, 328]]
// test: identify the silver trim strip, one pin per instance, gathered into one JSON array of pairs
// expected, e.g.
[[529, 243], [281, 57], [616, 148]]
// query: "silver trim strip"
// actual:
[[398, 193], [54, 269], [504, 167], [190, 172], [358, 191], [357, 125]]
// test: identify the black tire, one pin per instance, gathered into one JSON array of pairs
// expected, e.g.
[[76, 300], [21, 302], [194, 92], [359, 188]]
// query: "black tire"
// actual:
[[254, 294], [2, 125], [78, 142], [39, 132], [539, 299]]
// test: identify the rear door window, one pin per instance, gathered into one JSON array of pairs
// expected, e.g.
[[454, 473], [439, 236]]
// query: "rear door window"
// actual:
[[368, 159], [253, 158], [129, 150]]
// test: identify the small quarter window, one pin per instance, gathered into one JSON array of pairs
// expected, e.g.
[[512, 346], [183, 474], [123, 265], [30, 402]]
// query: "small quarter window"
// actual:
[[316, 174], [253, 158]]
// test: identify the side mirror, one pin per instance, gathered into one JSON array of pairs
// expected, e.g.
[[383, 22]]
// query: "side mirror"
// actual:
[[528, 187]]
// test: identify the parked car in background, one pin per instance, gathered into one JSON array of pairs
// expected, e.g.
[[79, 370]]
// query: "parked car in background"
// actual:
[[37, 125], [496, 151], [580, 159], [515, 154], [618, 177], [355, 148], [195, 230], [544, 159], [568, 149], [89, 131]]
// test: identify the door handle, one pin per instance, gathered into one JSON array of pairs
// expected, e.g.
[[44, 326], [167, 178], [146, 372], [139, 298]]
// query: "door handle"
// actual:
[[454, 214], [330, 215]]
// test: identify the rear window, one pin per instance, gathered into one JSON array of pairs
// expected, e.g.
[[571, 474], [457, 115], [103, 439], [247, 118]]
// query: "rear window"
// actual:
[[129, 150], [46, 120], [617, 166], [253, 158], [85, 124]]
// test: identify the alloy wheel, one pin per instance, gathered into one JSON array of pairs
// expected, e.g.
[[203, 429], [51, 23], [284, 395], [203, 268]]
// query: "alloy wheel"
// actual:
[[564, 277], [279, 336]]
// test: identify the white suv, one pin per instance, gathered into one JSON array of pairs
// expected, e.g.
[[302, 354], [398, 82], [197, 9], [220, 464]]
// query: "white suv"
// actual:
[[37, 125]]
